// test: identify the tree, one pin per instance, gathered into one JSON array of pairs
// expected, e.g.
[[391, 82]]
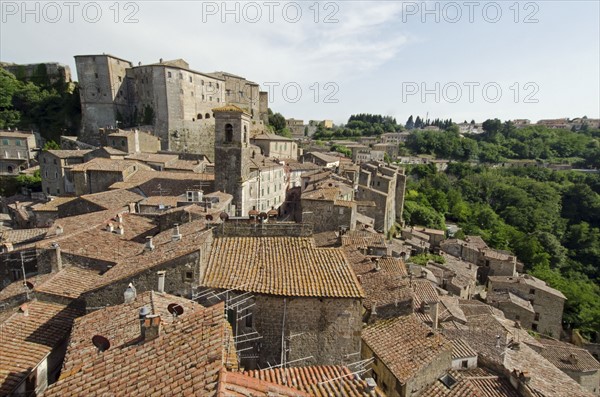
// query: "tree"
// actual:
[[277, 121], [410, 124], [51, 145]]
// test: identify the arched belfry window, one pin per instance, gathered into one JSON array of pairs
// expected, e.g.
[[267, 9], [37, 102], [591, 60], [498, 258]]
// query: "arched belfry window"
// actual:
[[207, 116], [199, 117], [228, 132]]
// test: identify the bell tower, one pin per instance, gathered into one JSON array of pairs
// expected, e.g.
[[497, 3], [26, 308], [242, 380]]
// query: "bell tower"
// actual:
[[232, 153]]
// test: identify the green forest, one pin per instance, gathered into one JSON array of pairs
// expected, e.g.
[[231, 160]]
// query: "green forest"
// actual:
[[52, 109]]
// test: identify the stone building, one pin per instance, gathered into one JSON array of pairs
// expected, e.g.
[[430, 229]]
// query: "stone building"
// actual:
[[547, 302], [329, 206], [303, 302], [55, 170], [276, 146], [98, 174], [256, 183], [18, 150], [407, 356], [383, 185], [296, 127], [576, 362], [130, 141], [53, 71], [172, 100], [513, 306]]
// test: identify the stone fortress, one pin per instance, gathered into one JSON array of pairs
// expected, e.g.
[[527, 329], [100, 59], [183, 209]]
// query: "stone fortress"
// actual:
[[167, 98]]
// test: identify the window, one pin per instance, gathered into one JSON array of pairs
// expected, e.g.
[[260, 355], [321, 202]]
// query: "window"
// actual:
[[189, 276], [534, 327], [202, 82], [375, 376], [96, 74], [53, 161], [532, 291], [5, 142], [210, 98], [18, 142], [218, 99], [190, 79], [120, 79], [207, 116], [228, 133], [199, 117], [248, 315], [537, 317], [181, 91], [217, 85], [169, 74], [464, 364]]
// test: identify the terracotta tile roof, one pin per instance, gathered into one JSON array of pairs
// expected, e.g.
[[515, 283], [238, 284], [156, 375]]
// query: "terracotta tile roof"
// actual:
[[288, 266], [185, 359], [153, 157], [65, 154], [109, 165], [270, 137], [568, 357], [494, 297], [20, 236], [113, 198], [424, 292], [184, 165], [152, 182], [404, 345], [26, 340], [230, 108], [119, 324], [363, 239], [18, 287], [477, 382], [460, 349], [318, 381], [16, 134], [386, 286], [235, 384], [127, 259], [528, 280], [53, 204]]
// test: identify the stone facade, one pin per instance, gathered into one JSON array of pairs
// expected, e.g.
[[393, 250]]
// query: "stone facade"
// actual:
[[169, 98], [17, 151], [130, 141], [55, 170], [547, 302], [385, 187], [313, 331], [330, 215], [276, 146]]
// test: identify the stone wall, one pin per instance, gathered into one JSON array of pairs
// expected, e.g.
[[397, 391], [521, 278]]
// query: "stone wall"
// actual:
[[316, 331], [233, 228], [328, 216]]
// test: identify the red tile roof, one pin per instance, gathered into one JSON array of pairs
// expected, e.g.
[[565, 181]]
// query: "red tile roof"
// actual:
[[185, 359], [318, 381], [288, 266], [26, 340], [405, 345]]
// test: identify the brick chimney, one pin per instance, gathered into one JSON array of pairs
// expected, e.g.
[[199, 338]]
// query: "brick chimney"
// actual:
[[150, 327], [55, 258], [435, 314]]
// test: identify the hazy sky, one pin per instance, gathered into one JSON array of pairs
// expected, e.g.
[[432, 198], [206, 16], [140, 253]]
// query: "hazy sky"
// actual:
[[459, 60]]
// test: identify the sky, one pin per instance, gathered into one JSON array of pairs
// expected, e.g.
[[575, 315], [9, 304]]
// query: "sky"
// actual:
[[329, 59]]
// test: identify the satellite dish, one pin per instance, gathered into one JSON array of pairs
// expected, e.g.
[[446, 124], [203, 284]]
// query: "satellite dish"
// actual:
[[209, 217], [175, 309], [29, 285], [101, 343], [263, 215], [224, 216]]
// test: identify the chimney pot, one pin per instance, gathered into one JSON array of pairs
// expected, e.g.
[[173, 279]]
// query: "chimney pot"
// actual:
[[176, 235], [120, 230], [110, 227], [59, 230], [150, 327], [149, 243], [130, 294]]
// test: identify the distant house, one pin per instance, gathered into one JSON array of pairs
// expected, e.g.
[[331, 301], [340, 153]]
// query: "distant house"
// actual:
[[407, 356], [546, 301], [18, 149], [55, 169]]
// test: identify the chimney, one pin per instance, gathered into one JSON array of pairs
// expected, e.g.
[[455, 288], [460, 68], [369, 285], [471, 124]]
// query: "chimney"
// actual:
[[119, 218], [150, 327], [58, 230], [176, 235], [130, 294], [149, 244], [120, 230], [377, 265], [56, 258], [161, 281], [371, 385], [24, 309], [110, 227], [435, 315]]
